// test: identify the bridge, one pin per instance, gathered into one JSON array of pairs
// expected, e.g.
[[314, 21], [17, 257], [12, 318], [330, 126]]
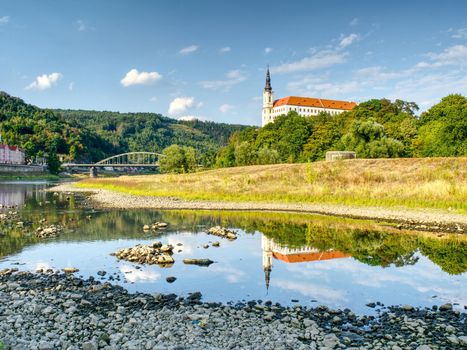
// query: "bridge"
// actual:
[[124, 160]]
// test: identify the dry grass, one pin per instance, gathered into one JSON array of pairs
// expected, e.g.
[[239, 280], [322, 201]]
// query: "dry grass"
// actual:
[[415, 183]]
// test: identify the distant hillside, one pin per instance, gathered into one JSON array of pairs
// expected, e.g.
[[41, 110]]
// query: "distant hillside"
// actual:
[[91, 135], [151, 131]]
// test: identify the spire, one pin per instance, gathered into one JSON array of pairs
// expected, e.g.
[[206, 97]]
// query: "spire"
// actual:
[[268, 81], [267, 276]]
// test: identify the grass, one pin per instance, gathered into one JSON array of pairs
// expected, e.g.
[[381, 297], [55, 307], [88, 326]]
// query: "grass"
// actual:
[[438, 183], [26, 176]]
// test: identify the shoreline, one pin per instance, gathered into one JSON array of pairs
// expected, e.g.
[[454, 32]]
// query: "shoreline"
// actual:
[[52, 310], [423, 220]]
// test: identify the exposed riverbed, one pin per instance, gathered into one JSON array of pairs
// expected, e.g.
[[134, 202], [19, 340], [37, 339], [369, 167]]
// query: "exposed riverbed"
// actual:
[[291, 259]]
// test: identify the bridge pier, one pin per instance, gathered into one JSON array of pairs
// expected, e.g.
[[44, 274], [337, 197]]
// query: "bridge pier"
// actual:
[[93, 172]]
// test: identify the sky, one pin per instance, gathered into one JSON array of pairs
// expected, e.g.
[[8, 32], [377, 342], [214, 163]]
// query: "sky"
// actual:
[[207, 58]]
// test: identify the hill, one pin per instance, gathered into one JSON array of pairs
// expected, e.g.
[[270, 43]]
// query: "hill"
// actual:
[[79, 135]]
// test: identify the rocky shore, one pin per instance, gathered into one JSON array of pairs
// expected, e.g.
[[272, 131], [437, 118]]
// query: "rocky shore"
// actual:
[[60, 311], [424, 220]]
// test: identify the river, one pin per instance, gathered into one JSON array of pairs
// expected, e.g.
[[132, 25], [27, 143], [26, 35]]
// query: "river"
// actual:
[[286, 258]]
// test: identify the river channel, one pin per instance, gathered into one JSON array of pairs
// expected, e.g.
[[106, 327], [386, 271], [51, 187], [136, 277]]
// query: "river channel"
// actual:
[[286, 258]]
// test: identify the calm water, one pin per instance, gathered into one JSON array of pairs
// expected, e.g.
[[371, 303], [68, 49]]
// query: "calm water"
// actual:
[[279, 257]]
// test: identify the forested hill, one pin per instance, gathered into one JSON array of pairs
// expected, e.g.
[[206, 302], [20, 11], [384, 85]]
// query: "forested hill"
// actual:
[[151, 131], [79, 135]]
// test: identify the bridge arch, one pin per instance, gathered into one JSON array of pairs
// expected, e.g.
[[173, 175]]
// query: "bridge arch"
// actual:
[[132, 158]]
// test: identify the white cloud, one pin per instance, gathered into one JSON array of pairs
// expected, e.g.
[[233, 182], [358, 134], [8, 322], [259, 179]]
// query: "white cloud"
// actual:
[[233, 77], [80, 25], [225, 49], [180, 105], [354, 22], [456, 54], [134, 77], [348, 40], [312, 86], [267, 50], [321, 59], [189, 118], [45, 81], [460, 34], [189, 49], [71, 86], [4, 20], [226, 108]]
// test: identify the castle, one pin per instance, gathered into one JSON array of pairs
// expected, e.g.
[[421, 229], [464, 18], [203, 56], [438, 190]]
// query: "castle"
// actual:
[[305, 106]]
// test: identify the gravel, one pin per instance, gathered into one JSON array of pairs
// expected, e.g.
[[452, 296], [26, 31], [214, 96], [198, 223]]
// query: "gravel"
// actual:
[[59, 311]]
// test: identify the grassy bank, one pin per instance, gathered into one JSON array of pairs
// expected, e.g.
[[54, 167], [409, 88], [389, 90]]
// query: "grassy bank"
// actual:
[[413, 183]]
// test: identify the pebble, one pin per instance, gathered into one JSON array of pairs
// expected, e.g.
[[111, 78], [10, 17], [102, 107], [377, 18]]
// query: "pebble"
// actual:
[[62, 311]]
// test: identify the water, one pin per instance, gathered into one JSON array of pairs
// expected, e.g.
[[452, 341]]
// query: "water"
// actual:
[[316, 260]]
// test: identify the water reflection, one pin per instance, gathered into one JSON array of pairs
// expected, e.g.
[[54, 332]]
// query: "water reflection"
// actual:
[[338, 262], [288, 255]]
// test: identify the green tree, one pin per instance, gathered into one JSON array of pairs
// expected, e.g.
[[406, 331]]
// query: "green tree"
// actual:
[[178, 159], [443, 129], [368, 139]]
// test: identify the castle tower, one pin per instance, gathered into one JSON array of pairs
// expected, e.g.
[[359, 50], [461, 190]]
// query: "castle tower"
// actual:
[[267, 100], [266, 245]]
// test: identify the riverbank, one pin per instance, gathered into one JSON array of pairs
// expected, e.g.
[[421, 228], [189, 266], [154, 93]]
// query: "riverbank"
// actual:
[[50, 311], [426, 220], [424, 183]]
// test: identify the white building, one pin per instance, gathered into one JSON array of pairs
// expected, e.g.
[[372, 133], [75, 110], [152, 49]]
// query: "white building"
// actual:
[[305, 106], [11, 155]]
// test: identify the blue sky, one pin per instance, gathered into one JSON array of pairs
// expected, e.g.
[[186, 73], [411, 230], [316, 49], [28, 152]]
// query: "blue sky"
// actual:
[[208, 58]]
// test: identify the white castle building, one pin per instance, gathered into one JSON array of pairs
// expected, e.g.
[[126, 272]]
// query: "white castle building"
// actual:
[[305, 106]]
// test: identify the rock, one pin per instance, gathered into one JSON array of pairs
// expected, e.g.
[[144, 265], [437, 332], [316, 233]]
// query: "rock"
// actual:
[[43, 345], [48, 232], [146, 228], [462, 340], [223, 232], [407, 308], [101, 273], [70, 270], [453, 339], [161, 224], [445, 307], [423, 347], [201, 262], [155, 253], [89, 346], [216, 244], [372, 305], [171, 279], [205, 246]]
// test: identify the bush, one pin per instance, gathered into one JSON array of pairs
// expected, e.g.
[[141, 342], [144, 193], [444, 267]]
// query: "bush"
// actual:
[[178, 159]]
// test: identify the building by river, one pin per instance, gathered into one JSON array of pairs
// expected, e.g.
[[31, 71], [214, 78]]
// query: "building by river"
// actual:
[[304, 106], [11, 155]]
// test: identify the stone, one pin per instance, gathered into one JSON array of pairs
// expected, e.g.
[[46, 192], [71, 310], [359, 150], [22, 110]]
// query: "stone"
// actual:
[[201, 262], [70, 270], [453, 339], [407, 308], [445, 307], [171, 279], [216, 244], [89, 346], [462, 340], [423, 347], [146, 228]]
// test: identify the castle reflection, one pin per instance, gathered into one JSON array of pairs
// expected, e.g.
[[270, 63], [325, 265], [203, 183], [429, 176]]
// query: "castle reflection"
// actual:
[[271, 250]]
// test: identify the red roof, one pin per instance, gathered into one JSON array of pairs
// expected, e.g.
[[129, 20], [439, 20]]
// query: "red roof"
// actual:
[[314, 102], [302, 257], [11, 148]]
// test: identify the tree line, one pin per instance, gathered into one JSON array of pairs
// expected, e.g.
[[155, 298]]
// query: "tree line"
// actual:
[[378, 128]]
